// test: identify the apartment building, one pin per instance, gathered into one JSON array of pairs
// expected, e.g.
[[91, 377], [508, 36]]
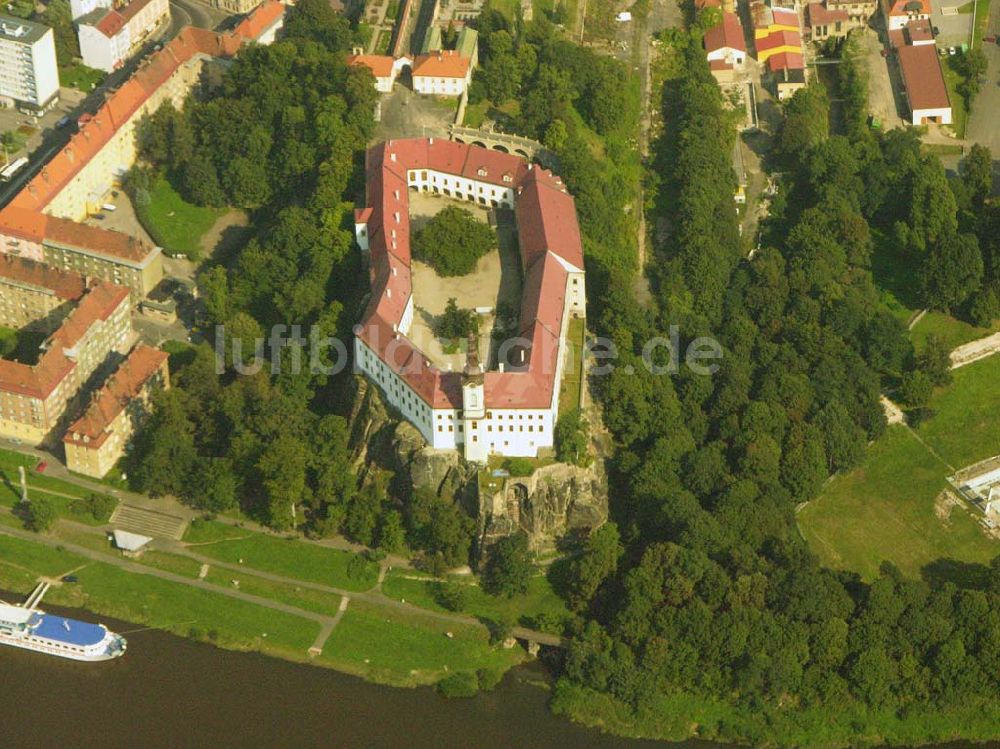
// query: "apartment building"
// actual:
[[35, 296], [34, 398], [97, 440], [29, 76]]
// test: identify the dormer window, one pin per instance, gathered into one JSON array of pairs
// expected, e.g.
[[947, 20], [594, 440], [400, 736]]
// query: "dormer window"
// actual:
[[507, 178], [482, 171]]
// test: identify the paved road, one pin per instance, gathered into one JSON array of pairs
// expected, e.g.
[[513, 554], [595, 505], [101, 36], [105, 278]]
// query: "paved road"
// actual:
[[982, 126]]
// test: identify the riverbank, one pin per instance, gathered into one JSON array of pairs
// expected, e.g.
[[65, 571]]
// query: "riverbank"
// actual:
[[681, 717], [252, 610]]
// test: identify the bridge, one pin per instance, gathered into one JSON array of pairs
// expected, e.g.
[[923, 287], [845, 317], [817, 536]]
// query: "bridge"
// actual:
[[530, 149]]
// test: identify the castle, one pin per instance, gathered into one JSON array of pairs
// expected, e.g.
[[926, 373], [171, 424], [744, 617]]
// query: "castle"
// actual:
[[511, 411]]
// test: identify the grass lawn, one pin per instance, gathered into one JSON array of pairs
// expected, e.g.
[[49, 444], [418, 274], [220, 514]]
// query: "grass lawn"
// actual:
[[389, 647], [208, 531], [79, 76], [885, 509], [955, 332], [173, 223], [304, 598], [292, 558], [569, 396], [959, 112], [540, 598], [109, 591], [476, 113]]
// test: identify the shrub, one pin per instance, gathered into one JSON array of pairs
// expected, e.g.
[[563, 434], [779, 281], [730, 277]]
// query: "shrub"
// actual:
[[461, 684], [40, 514], [97, 506], [489, 678], [508, 569], [519, 466], [457, 323], [451, 595]]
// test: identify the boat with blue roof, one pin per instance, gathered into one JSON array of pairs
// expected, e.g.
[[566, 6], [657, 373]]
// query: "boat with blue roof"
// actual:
[[27, 627]]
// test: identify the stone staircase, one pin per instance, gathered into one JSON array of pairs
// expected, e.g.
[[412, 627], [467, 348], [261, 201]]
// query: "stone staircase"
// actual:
[[148, 522]]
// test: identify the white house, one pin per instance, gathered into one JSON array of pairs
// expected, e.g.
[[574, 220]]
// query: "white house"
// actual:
[[724, 42], [109, 36], [385, 69], [442, 73]]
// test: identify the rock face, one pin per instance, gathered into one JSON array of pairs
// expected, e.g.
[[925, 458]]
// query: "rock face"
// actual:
[[556, 500]]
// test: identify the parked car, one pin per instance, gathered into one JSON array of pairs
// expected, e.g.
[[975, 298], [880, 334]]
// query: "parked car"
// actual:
[[69, 578], [41, 467], [952, 50], [991, 39], [935, 30]]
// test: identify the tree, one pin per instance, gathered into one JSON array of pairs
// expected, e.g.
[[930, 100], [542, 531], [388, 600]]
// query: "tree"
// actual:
[[571, 438], [164, 453], [58, 15], [211, 485], [977, 172], [455, 323], [916, 389], [40, 514], [281, 480], [391, 532], [952, 271], [453, 241], [935, 360], [598, 561], [508, 568]]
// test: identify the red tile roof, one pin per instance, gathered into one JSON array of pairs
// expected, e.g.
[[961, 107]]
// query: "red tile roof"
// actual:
[[380, 65], [727, 34], [922, 77], [550, 247], [65, 285], [785, 61], [779, 39], [443, 64], [93, 428]]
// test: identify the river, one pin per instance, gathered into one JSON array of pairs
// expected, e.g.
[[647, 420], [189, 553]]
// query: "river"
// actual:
[[171, 692]]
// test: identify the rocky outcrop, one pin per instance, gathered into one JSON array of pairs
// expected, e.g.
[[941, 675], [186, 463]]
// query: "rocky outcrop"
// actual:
[[555, 501]]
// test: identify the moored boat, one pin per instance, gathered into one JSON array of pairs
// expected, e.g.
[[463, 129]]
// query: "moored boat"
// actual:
[[32, 629]]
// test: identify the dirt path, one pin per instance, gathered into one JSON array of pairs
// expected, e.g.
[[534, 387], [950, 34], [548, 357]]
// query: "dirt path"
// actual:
[[225, 232], [893, 413], [975, 350]]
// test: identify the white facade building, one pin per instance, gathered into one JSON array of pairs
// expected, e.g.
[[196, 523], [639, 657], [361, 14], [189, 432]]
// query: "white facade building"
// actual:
[[29, 76], [512, 410], [109, 36], [442, 73]]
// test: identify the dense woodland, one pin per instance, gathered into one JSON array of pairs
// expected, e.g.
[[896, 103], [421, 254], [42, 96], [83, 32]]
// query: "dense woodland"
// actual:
[[711, 593], [701, 588]]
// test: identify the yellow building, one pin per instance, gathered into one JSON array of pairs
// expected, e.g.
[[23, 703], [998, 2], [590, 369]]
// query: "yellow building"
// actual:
[[97, 440], [34, 398], [767, 20]]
